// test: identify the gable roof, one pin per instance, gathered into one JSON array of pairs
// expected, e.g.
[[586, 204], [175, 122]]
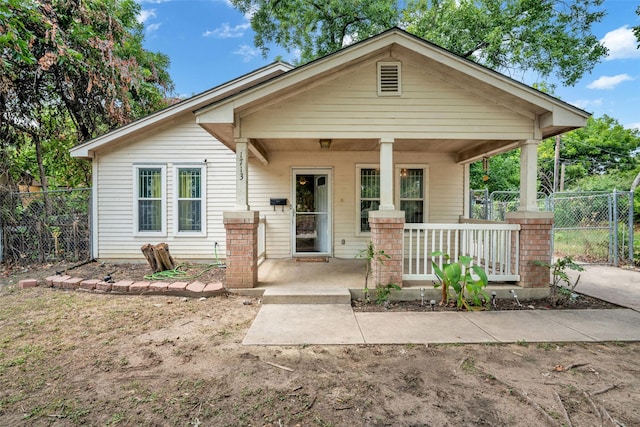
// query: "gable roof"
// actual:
[[553, 115], [187, 106]]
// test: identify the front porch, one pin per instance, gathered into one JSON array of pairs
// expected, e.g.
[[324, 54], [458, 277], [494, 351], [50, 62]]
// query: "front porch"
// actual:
[[337, 273]]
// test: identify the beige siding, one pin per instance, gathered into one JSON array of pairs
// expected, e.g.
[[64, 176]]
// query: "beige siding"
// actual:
[[274, 180], [348, 106], [182, 142]]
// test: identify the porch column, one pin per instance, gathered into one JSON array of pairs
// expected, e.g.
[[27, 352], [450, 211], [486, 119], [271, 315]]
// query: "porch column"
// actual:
[[536, 232], [387, 232], [242, 169], [529, 175], [242, 248], [241, 227], [386, 174]]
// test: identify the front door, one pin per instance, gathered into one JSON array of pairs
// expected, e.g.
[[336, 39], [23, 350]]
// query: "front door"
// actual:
[[311, 212]]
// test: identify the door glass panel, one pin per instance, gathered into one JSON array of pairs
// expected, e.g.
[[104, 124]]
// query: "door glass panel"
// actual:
[[312, 214]]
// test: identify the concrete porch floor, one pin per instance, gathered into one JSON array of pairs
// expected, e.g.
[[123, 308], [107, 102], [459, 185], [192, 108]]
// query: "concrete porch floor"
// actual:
[[342, 273]]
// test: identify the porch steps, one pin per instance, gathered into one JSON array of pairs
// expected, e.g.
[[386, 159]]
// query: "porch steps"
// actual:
[[306, 295]]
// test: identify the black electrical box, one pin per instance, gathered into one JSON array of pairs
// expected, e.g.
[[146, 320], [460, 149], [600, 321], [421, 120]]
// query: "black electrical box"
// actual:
[[278, 202]]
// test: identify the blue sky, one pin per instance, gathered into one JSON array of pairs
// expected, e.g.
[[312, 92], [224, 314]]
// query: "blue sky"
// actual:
[[209, 43]]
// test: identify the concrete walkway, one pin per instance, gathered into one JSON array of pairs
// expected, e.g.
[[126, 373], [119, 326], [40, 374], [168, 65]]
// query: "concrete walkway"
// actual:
[[299, 324]]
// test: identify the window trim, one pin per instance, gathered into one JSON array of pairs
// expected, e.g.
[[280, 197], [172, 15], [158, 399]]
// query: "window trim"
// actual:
[[396, 189], [359, 167], [203, 199], [425, 186], [163, 200]]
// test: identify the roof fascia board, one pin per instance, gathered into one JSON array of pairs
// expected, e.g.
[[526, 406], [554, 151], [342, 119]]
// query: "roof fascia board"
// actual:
[[85, 149]]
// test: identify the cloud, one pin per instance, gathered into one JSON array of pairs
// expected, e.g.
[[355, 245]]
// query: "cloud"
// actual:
[[152, 28], [225, 31], [622, 43], [633, 126], [247, 52], [585, 104], [145, 14], [152, 1], [609, 82]]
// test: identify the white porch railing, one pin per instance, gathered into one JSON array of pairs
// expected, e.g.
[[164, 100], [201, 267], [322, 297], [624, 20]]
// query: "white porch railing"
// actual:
[[262, 237], [493, 246]]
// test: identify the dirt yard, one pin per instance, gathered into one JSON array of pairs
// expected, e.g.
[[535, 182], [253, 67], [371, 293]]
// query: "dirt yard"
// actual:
[[69, 358]]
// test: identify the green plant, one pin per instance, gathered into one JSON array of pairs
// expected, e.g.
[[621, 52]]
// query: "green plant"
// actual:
[[457, 275], [558, 293], [370, 254], [382, 292]]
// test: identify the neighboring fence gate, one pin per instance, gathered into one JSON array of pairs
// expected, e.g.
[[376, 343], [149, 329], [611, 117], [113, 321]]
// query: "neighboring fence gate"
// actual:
[[595, 227], [35, 228]]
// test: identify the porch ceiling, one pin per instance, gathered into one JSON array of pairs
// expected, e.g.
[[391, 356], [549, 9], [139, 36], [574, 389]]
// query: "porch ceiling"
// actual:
[[465, 150]]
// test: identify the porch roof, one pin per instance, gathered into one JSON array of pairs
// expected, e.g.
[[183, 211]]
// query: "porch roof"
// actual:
[[548, 115]]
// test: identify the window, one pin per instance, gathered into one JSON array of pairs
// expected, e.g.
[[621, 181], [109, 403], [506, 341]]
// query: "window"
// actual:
[[150, 202], [410, 193], [369, 196], [189, 204]]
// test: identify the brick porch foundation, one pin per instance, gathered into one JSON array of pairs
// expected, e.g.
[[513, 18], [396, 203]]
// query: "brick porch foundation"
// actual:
[[387, 235], [535, 245], [242, 248]]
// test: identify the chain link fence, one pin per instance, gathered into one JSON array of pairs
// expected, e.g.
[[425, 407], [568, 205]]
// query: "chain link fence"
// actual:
[[595, 227], [38, 227]]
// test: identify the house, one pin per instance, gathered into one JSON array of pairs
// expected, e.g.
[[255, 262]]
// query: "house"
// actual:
[[371, 143]]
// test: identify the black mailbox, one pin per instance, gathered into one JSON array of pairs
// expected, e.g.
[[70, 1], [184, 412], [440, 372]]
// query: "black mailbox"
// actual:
[[278, 202]]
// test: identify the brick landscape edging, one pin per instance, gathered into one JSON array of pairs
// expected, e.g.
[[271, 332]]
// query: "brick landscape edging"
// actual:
[[128, 287]]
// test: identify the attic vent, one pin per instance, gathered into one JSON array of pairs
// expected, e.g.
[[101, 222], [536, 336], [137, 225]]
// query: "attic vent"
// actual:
[[389, 79]]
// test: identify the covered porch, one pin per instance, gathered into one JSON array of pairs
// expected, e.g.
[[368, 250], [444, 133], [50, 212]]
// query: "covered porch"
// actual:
[[356, 124]]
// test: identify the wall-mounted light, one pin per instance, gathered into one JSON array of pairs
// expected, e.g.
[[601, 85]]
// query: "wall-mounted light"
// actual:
[[325, 144]]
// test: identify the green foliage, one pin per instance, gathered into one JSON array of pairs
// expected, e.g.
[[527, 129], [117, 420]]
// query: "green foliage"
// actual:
[[558, 293], [457, 275], [318, 28], [503, 173], [370, 254], [383, 292], [68, 72], [514, 36], [636, 29], [603, 146]]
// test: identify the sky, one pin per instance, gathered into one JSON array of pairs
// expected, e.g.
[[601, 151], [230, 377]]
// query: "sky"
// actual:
[[209, 43]]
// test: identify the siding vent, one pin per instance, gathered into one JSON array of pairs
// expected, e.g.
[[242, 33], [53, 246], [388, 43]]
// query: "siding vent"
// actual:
[[389, 79]]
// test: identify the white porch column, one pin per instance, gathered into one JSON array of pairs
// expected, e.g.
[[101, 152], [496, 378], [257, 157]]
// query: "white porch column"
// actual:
[[242, 170], [386, 174], [528, 175]]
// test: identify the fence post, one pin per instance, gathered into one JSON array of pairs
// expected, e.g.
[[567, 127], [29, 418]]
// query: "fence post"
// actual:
[[631, 208], [615, 228]]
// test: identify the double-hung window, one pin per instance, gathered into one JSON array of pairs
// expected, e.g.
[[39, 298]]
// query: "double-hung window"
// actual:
[[369, 194], [410, 192], [150, 203], [189, 213]]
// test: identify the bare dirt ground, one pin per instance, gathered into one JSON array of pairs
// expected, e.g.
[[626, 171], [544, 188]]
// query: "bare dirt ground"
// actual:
[[70, 358]]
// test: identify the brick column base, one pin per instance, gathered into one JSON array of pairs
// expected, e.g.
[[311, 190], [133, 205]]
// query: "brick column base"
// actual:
[[535, 245], [387, 235], [242, 248]]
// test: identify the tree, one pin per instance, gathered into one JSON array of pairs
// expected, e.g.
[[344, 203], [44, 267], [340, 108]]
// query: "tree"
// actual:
[[502, 174], [602, 147], [319, 27], [636, 30], [70, 70], [546, 37]]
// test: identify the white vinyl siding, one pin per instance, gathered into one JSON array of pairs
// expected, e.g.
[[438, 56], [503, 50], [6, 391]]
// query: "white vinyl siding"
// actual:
[[181, 144], [190, 193], [150, 200]]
